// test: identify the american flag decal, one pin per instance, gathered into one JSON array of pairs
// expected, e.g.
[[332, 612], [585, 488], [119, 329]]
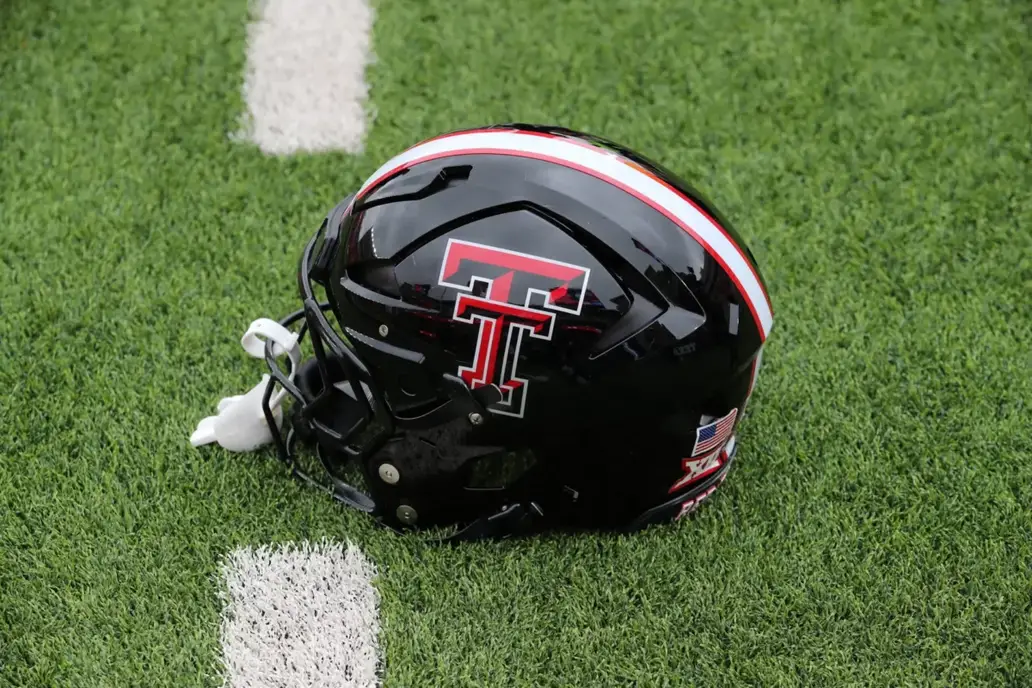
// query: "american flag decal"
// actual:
[[715, 434]]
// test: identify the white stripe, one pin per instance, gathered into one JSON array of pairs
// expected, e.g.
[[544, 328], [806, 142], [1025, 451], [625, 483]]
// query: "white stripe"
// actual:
[[610, 165], [300, 616], [305, 83]]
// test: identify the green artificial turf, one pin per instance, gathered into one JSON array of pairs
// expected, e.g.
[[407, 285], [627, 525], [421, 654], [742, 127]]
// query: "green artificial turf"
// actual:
[[875, 155]]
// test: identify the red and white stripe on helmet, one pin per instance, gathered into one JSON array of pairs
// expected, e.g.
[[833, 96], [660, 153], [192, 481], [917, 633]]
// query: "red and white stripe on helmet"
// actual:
[[612, 168]]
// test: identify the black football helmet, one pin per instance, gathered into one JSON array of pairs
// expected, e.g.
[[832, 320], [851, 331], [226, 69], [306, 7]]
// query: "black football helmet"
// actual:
[[524, 327]]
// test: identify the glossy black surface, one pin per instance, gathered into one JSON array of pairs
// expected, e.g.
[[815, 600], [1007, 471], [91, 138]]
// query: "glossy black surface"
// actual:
[[611, 395]]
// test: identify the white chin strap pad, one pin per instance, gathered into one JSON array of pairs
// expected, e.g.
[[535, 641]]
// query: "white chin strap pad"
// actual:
[[240, 424]]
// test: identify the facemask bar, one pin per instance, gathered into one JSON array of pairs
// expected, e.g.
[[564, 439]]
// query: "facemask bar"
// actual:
[[328, 346]]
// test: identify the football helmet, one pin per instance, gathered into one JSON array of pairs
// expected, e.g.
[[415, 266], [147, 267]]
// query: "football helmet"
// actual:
[[523, 327]]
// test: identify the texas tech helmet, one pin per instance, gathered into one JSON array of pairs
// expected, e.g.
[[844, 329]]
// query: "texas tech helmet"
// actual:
[[523, 327]]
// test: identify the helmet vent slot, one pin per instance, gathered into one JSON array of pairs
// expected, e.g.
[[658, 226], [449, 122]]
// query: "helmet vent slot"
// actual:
[[377, 275]]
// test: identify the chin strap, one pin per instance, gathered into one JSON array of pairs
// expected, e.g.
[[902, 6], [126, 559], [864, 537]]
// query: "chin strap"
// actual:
[[240, 424], [511, 520]]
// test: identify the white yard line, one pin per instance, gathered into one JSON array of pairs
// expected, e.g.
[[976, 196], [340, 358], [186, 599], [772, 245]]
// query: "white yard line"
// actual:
[[300, 615], [305, 86]]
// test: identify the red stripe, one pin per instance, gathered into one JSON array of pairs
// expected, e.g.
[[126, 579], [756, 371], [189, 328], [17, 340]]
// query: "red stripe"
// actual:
[[598, 175]]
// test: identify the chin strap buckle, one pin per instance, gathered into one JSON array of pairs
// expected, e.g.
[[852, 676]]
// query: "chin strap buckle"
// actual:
[[240, 424]]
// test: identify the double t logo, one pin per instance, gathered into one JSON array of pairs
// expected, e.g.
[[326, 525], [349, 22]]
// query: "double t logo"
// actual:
[[510, 295]]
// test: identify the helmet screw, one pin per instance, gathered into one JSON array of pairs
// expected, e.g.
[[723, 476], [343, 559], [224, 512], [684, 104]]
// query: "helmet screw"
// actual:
[[389, 474], [383, 330], [475, 418], [406, 514]]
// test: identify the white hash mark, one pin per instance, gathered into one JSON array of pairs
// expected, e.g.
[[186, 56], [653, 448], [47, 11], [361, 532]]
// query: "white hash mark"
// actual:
[[304, 84], [300, 615]]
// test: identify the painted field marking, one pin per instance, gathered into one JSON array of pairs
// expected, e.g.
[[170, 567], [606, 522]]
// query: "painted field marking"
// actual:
[[300, 615], [304, 85]]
